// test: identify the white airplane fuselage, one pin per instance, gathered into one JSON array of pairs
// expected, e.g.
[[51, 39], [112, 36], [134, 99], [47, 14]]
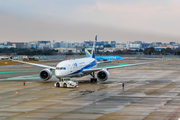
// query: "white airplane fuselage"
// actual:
[[74, 68]]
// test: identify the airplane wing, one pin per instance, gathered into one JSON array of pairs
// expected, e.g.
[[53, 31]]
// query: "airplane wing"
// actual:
[[107, 61], [39, 65], [98, 69]]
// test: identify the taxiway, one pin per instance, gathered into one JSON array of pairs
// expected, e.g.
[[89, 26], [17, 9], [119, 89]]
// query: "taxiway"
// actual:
[[152, 92]]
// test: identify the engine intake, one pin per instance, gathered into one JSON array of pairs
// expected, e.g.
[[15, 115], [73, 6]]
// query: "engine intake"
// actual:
[[103, 75], [45, 74]]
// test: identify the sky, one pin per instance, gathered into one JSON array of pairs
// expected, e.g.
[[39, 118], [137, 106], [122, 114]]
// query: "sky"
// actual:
[[79, 20]]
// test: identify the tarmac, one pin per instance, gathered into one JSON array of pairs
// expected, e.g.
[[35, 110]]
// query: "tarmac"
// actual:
[[151, 92]]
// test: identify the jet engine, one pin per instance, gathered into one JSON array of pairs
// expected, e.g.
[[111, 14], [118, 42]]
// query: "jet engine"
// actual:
[[45, 74], [103, 75]]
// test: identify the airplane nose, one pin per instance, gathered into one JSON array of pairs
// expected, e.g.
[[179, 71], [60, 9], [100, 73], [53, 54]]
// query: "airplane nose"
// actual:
[[58, 73]]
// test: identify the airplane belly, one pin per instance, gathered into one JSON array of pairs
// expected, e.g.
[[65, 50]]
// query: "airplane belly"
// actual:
[[76, 75]]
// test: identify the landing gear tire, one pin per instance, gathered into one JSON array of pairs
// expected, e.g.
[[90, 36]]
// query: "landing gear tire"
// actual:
[[65, 85], [57, 84], [93, 80]]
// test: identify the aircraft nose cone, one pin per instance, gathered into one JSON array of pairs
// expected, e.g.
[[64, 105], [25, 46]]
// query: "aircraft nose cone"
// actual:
[[58, 73]]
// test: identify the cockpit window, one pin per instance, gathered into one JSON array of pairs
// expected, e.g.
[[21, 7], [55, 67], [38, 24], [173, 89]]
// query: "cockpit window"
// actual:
[[60, 68]]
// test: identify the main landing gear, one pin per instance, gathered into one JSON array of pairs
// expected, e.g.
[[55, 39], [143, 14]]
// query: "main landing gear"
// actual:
[[93, 80]]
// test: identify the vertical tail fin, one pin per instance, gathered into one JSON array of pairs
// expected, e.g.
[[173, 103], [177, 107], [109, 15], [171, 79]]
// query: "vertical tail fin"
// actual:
[[94, 48], [88, 55]]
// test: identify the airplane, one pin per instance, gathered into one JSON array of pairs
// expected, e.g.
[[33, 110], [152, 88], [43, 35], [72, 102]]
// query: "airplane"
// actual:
[[104, 58], [78, 68]]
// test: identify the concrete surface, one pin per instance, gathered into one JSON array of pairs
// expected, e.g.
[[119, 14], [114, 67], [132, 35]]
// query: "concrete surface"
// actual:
[[152, 92]]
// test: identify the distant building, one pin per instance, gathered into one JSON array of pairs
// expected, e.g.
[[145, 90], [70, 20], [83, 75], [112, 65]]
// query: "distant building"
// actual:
[[20, 44], [57, 45], [16, 44], [69, 45], [156, 44], [106, 42], [101, 43], [109, 49], [81, 44], [121, 46], [134, 46], [65, 45], [172, 43], [44, 44], [39, 44], [33, 45], [113, 44], [88, 43], [145, 45], [137, 42], [173, 46]]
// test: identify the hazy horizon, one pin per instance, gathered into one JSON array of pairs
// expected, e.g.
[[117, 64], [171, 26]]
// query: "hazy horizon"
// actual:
[[77, 21]]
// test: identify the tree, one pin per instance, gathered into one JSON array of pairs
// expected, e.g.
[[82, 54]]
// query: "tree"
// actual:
[[166, 51], [149, 51], [163, 51], [140, 50]]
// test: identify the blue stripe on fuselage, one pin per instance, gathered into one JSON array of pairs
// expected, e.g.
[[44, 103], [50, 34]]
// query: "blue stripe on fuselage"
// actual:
[[92, 64], [108, 58]]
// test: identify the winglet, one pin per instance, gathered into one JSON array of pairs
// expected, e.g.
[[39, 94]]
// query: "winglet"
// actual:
[[94, 48]]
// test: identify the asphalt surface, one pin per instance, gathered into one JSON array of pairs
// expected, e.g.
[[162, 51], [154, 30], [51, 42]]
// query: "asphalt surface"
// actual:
[[151, 92]]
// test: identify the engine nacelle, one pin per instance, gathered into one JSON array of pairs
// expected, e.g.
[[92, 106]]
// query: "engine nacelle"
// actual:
[[45, 74], [103, 75]]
